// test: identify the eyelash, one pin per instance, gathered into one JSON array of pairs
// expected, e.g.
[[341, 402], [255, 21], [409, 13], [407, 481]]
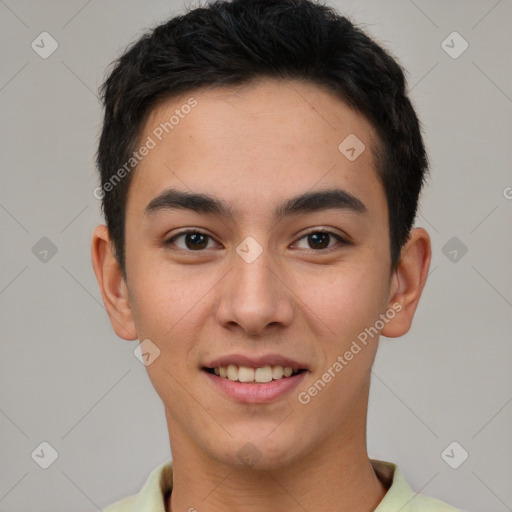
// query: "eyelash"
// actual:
[[341, 240]]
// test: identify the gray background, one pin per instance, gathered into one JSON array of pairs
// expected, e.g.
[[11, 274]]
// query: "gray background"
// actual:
[[68, 380]]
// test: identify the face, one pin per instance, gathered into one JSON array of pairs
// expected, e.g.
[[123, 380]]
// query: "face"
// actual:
[[254, 276]]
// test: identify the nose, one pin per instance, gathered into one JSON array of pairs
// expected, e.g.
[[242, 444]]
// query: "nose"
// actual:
[[255, 297]]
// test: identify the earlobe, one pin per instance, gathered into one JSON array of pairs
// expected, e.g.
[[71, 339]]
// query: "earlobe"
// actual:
[[408, 282], [112, 284]]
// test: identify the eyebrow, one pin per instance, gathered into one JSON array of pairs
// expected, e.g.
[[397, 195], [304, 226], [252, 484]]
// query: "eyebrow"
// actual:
[[309, 202]]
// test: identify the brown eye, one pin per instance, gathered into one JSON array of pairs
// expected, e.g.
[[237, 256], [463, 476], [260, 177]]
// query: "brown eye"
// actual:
[[318, 240], [193, 240]]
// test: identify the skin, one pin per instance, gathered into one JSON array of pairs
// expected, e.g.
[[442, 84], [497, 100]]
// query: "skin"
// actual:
[[255, 147]]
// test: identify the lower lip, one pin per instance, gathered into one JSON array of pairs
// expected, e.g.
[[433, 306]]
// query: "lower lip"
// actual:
[[256, 393]]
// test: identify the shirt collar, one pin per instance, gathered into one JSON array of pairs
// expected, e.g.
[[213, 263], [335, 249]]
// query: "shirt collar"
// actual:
[[159, 484]]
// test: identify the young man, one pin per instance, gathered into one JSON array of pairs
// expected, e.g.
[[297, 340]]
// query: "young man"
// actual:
[[260, 171]]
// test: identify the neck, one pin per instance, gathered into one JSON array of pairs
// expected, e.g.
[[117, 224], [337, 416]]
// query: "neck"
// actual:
[[334, 475]]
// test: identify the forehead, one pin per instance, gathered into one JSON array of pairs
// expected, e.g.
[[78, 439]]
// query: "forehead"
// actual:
[[256, 144]]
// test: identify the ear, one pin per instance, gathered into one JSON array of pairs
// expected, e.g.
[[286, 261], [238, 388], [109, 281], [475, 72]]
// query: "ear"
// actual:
[[408, 282], [112, 284]]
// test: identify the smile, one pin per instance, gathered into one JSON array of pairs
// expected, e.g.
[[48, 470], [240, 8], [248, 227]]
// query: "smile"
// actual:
[[252, 391], [259, 375]]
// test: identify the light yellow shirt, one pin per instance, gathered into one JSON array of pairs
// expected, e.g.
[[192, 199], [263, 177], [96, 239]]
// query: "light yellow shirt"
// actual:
[[399, 497]]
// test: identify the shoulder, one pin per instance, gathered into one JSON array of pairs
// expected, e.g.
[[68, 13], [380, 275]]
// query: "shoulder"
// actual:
[[400, 496], [151, 497], [422, 503]]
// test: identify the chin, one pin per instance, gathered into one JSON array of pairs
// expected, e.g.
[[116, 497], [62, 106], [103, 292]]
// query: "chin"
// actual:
[[259, 451]]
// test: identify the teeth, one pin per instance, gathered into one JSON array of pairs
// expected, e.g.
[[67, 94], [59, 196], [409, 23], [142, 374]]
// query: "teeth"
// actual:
[[232, 372], [245, 374], [261, 375], [277, 372]]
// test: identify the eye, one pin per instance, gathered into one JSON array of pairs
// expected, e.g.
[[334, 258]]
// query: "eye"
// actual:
[[320, 239], [192, 240], [196, 241]]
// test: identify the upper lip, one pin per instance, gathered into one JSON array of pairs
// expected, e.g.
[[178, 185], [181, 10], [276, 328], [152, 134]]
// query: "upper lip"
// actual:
[[256, 361]]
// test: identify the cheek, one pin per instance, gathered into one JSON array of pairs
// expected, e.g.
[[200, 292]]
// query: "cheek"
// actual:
[[350, 308], [165, 310], [162, 297], [346, 299]]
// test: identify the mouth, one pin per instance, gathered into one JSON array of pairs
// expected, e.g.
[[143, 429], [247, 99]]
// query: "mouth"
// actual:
[[253, 375], [254, 379]]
